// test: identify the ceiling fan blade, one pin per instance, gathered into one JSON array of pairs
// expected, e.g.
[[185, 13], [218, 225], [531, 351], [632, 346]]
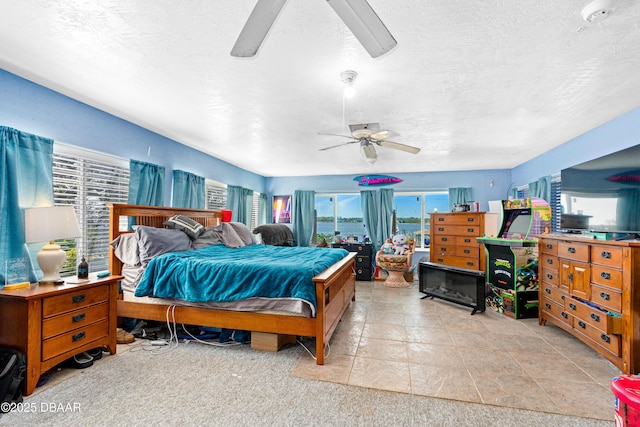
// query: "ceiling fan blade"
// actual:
[[335, 134], [369, 152], [335, 146], [255, 30], [365, 25], [398, 146], [383, 134]]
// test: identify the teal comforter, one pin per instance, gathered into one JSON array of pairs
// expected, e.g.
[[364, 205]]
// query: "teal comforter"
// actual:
[[220, 274]]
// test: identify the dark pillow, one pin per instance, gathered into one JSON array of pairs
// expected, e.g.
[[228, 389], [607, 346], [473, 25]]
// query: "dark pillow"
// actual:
[[244, 233], [157, 241], [275, 234], [210, 236], [192, 228]]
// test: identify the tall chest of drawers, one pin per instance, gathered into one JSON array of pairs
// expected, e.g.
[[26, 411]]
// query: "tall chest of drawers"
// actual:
[[51, 323], [591, 289], [453, 238]]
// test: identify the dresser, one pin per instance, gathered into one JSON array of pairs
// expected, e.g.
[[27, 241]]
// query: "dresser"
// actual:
[[453, 238], [591, 289], [51, 323], [364, 258]]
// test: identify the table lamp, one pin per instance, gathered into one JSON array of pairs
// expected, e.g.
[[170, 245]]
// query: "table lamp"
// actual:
[[49, 224]]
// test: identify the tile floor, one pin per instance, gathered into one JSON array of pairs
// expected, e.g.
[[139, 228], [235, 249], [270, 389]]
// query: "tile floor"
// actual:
[[391, 339]]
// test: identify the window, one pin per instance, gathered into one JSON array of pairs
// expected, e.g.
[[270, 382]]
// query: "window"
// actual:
[[88, 180], [339, 213], [216, 199], [412, 213]]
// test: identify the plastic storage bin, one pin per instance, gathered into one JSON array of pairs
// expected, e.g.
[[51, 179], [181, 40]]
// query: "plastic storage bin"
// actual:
[[626, 389]]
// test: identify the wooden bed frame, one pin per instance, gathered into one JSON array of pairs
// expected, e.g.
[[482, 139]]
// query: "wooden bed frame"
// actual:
[[335, 288]]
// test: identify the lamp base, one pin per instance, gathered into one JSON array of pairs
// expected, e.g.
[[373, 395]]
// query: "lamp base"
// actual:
[[50, 259]]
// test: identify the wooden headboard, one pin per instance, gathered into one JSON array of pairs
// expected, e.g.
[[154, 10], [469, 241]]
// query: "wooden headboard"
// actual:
[[153, 216]]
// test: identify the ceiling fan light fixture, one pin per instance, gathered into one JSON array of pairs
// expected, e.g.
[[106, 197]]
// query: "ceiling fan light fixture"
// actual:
[[598, 10], [348, 77], [369, 152]]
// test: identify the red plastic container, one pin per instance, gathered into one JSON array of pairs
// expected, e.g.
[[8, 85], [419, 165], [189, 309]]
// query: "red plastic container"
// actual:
[[226, 215], [626, 389]]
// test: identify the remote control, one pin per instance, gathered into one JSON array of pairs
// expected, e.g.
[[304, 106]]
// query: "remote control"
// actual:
[[104, 274]]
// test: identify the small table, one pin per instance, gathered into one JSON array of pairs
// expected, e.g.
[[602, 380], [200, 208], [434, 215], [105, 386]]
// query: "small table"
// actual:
[[51, 323]]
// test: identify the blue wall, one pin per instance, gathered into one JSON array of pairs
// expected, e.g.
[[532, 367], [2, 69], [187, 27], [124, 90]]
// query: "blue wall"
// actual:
[[32, 108]]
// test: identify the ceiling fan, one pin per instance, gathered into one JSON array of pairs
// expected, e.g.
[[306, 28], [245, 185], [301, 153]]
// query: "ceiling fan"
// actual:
[[369, 135], [357, 15]]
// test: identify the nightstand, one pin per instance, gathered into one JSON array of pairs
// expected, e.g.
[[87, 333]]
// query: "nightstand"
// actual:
[[51, 323]]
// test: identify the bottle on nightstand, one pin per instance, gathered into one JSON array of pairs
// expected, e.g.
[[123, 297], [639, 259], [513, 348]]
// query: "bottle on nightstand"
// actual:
[[83, 269]]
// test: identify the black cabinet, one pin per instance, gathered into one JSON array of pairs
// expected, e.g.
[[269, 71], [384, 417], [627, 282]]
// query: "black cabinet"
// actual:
[[364, 258]]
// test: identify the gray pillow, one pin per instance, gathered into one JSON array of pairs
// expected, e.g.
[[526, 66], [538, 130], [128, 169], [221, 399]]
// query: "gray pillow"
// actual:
[[229, 236], [125, 247], [210, 236], [192, 228], [157, 241], [245, 234]]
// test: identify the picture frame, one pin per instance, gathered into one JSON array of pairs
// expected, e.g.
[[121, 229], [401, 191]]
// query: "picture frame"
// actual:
[[281, 209]]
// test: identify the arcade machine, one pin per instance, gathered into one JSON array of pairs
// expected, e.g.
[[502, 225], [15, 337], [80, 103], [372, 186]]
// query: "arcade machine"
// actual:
[[512, 257]]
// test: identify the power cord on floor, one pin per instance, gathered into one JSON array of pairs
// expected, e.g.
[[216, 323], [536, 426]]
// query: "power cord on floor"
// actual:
[[216, 344], [327, 350]]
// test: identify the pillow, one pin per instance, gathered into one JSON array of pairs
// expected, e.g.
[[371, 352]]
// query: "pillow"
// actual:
[[192, 228], [210, 236], [125, 247], [157, 241], [244, 233], [229, 236], [275, 234]]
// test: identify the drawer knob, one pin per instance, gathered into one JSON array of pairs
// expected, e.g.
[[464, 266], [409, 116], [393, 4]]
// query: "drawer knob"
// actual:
[[605, 338], [565, 315], [78, 318], [549, 261], [444, 239], [605, 296], [571, 250], [572, 306], [595, 317], [470, 219], [467, 240], [546, 304], [77, 337], [582, 324], [605, 254], [549, 276], [467, 251], [440, 228], [441, 219], [549, 246], [547, 290], [470, 263], [471, 230], [605, 275], [78, 298]]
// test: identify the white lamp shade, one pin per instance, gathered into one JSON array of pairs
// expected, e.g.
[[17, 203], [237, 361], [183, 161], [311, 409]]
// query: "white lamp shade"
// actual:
[[50, 223]]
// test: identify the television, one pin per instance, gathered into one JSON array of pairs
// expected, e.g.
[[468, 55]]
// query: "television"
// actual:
[[603, 195]]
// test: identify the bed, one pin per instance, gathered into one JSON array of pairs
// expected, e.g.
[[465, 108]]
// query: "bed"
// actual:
[[333, 287]]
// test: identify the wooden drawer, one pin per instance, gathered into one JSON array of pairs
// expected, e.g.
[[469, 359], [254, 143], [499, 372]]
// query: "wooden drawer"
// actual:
[[553, 293], [574, 251], [439, 239], [610, 299], [606, 276], [52, 306], [74, 319], [597, 318], [549, 247], [466, 241], [462, 262], [555, 310], [443, 249], [610, 343], [457, 230], [467, 251], [455, 219], [548, 261], [549, 276], [607, 255], [73, 339]]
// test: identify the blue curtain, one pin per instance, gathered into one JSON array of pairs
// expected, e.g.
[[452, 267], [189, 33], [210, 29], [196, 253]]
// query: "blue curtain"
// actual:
[[240, 203], [188, 190], [304, 206], [628, 209], [146, 184], [377, 213], [264, 212], [541, 188], [26, 181], [459, 196]]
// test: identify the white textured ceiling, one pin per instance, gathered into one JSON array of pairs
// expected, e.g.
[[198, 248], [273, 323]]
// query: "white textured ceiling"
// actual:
[[474, 84]]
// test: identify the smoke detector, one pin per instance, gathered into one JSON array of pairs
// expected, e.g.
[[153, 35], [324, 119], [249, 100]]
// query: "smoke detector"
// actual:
[[598, 10]]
